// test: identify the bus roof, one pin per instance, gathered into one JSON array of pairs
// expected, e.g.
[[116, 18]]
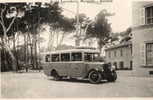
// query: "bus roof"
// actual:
[[72, 50]]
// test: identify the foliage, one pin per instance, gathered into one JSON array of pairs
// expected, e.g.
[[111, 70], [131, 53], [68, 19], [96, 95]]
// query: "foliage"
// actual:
[[100, 28], [125, 35], [82, 17], [64, 24], [34, 15], [39, 14], [10, 11], [26, 18]]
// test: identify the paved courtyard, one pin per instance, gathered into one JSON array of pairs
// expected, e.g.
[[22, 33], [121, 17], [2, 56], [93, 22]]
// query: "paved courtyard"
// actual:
[[37, 85]]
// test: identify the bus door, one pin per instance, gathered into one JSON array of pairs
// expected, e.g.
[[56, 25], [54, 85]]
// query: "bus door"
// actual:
[[64, 64], [76, 66], [45, 63]]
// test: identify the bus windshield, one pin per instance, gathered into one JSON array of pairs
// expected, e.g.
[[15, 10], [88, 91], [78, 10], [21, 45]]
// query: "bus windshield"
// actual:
[[91, 57]]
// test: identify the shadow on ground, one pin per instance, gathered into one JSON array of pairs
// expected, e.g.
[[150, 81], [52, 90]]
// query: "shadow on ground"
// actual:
[[78, 81]]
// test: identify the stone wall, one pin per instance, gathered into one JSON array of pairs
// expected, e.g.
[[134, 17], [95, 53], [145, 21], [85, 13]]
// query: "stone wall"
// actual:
[[141, 35]]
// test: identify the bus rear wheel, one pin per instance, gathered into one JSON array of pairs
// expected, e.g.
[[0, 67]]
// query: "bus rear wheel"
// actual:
[[55, 75], [94, 77]]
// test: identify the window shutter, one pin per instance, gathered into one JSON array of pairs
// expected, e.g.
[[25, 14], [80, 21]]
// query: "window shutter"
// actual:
[[142, 16], [143, 54]]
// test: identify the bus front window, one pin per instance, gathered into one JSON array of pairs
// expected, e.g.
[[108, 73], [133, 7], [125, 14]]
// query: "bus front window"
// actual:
[[95, 56], [88, 56], [91, 57]]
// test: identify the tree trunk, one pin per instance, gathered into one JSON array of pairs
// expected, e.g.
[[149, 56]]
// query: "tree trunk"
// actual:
[[57, 38], [3, 56], [35, 51], [51, 40], [32, 58], [0, 59], [62, 38], [35, 44], [14, 64], [100, 44], [14, 50], [6, 46], [24, 48]]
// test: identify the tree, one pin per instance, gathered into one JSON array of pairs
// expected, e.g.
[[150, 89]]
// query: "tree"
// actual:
[[120, 37], [35, 16], [126, 35], [59, 30], [100, 29], [9, 12], [82, 18], [83, 22], [27, 19], [66, 26]]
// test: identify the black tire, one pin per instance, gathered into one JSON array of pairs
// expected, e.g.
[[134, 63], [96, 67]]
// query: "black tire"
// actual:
[[72, 79], [112, 77], [94, 77], [55, 76]]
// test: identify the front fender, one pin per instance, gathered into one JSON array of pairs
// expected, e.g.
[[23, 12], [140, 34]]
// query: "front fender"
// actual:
[[93, 69]]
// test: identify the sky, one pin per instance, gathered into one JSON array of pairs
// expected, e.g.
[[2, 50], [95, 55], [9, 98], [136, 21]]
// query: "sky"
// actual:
[[122, 9]]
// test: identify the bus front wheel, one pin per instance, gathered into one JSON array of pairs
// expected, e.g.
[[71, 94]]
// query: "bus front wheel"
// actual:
[[94, 77]]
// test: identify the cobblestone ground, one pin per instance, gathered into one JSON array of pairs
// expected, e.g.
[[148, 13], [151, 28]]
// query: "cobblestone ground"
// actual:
[[37, 85]]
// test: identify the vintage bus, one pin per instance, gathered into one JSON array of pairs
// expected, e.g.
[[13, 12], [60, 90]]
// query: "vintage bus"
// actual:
[[77, 63]]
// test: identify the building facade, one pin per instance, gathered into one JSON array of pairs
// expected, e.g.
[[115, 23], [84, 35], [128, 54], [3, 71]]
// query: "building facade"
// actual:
[[120, 55], [142, 18]]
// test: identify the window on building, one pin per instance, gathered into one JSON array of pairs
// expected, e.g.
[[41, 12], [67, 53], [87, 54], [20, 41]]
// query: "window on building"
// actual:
[[149, 15], [55, 57], [131, 65], [115, 53], [109, 54], [65, 57], [149, 53], [131, 49], [121, 52], [76, 56], [121, 65]]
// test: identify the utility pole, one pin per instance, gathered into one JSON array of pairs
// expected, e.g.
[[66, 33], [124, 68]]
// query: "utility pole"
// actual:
[[77, 41]]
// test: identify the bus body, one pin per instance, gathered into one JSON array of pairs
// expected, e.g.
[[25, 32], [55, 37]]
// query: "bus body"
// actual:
[[77, 63]]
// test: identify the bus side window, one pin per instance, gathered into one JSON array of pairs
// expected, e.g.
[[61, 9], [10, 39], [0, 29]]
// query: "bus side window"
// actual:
[[65, 57], [76, 56], [47, 58], [55, 57]]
